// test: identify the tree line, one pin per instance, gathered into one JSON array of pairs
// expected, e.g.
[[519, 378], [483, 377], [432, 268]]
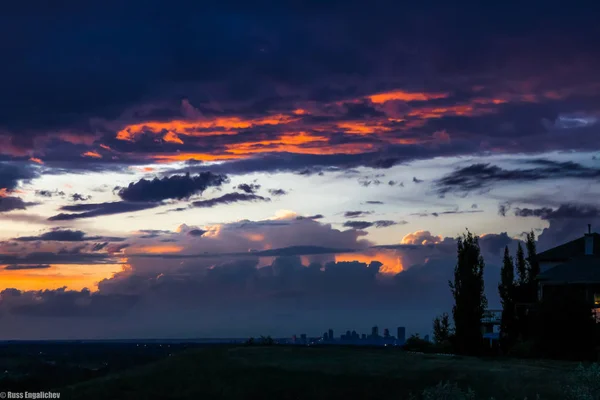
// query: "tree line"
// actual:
[[559, 326]]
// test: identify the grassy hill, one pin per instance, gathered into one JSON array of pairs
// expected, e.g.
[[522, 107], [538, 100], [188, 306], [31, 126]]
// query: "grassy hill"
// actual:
[[322, 373]]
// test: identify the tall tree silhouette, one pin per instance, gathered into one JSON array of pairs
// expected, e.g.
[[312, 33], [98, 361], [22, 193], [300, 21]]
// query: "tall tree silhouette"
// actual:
[[506, 289], [469, 298], [521, 265], [533, 265]]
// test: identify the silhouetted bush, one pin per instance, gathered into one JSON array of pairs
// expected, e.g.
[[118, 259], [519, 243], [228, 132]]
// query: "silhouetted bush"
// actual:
[[416, 343]]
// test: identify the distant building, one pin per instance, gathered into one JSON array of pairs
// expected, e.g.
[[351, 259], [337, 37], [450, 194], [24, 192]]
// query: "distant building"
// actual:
[[375, 331], [490, 325], [303, 338], [325, 337], [331, 337], [386, 333], [363, 336], [401, 335]]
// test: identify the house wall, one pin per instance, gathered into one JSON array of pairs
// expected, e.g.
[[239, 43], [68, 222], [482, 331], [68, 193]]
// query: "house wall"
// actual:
[[590, 291]]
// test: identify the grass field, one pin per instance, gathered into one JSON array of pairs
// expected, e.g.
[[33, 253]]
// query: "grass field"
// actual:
[[323, 373]]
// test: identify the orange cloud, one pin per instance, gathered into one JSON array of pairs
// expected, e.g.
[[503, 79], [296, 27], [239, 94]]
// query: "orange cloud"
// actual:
[[92, 154], [105, 147], [363, 128], [3, 192], [182, 156], [36, 160], [160, 249], [217, 126], [255, 237], [392, 263], [299, 142], [74, 277], [172, 137], [405, 96]]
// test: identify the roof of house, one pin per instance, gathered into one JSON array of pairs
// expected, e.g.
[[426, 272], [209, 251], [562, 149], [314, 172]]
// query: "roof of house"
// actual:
[[577, 270], [574, 248]]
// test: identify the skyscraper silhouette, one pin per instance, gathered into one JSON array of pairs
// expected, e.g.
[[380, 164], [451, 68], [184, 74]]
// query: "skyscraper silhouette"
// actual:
[[375, 331], [401, 335]]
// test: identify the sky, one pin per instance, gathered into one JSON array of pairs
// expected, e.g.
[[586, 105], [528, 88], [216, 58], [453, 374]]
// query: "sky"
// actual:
[[233, 171]]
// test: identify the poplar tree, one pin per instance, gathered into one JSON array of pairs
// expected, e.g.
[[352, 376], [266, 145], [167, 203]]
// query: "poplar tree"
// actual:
[[521, 265], [533, 265], [506, 289], [467, 289]]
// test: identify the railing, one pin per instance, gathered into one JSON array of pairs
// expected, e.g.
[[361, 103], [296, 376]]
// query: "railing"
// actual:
[[491, 317]]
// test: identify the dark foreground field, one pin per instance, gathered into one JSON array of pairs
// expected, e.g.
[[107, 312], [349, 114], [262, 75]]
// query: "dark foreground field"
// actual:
[[322, 373]]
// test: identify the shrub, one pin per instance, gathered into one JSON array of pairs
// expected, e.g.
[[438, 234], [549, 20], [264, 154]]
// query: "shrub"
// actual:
[[415, 343]]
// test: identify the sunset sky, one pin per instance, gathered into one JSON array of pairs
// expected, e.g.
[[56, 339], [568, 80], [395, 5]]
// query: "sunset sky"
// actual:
[[231, 171]]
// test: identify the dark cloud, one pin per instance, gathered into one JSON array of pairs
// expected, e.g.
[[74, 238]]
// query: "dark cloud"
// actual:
[[277, 192], [358, 224], [483, 176], [249, 188], [228, 199], [416, 180], [174, 187], [565, 211], [22, 267], [57, 235], [99, 209], [494, 243], [49, 193], [356, 214], [503, 209], [10, 203], [196, 232], [80, 197], [13, 173], [377, 224], [66, 235], [386, 222], [482, 103], [374, 202], [316, 216], [438, 213], [56, 258]]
